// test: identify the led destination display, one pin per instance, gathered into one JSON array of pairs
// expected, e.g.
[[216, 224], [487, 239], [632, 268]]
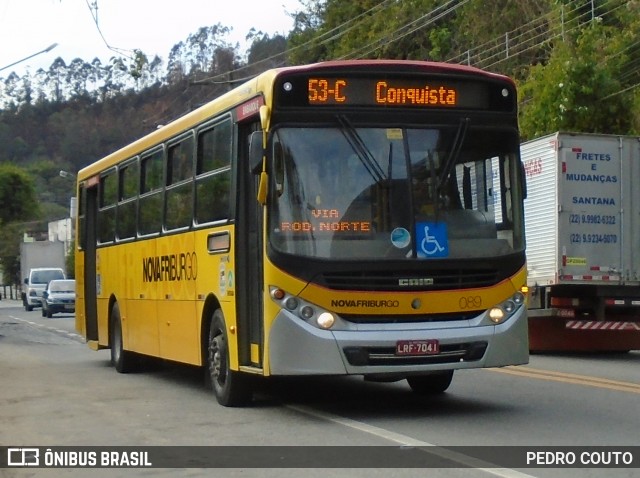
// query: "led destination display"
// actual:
[[418, 91], [336, 91]]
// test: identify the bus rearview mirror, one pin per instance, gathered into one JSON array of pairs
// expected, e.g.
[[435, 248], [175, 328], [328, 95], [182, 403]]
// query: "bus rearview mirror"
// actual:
[[256, 152]]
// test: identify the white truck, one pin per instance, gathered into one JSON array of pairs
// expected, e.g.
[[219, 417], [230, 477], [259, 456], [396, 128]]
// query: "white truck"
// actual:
[[582, 216], [40, 262]]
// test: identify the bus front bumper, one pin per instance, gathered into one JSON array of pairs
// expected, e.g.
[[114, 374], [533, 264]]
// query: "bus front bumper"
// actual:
[[297, 348]]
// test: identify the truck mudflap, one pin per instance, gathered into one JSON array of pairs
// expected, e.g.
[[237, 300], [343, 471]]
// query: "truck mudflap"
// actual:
[[558, 334]]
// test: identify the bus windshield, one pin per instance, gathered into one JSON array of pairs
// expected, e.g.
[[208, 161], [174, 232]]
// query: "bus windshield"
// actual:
[[373, 193]]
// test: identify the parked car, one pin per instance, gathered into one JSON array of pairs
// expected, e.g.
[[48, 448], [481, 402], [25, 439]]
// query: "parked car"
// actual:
[[59, 296], [36, 283]]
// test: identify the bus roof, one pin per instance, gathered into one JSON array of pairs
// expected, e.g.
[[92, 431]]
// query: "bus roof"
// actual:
[[253, 87]]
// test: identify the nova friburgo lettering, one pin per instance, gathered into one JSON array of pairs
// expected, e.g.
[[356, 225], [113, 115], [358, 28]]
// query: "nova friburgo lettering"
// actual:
[[170, 267]]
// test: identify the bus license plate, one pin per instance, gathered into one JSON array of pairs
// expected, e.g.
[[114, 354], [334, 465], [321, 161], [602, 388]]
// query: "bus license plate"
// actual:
[[417, 347]]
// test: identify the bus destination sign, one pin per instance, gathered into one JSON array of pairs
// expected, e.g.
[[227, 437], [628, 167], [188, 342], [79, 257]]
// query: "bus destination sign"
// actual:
[[382, 92], [388, 91]]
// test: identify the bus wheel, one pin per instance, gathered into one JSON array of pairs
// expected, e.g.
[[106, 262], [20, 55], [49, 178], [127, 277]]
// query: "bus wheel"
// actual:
[[232, 388], [431, 384], [120, 358]]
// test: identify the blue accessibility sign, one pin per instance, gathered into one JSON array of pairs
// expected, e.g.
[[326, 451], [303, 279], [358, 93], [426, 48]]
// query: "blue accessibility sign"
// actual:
[[432, 239]]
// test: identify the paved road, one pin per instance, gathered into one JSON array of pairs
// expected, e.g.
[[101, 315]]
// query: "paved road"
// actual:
[[55, 391]]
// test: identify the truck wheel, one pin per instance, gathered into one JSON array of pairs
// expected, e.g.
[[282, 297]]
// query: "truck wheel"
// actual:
[[49, 314], [431, 384], [122, 360], [232, 388]]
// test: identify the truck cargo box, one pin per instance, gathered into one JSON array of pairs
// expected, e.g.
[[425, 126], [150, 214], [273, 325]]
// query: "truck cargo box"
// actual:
[[582, 216], [582, 212]]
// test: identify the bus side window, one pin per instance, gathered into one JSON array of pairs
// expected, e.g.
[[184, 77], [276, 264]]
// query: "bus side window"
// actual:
[[129, 177], [179, 184], [107, 207], [180, 161], [213, 180], [150, 217]]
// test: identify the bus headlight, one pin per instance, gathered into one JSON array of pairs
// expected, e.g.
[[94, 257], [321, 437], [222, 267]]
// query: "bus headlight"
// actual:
[[496, 315], [306, 312], [310, 313], [506, 309], [509, 307], [325, 320], [291, 303], [518, 298]]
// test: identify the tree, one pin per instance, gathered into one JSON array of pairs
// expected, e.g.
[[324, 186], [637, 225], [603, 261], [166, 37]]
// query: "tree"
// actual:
[[56, 79], [10, 239], [18, 203], [265, 52], [18, 200], [305, 40], [11, 88], [411, 29], [579, 89], [78, 75]]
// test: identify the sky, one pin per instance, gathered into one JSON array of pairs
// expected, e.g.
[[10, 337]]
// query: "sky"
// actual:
[[28, 27]]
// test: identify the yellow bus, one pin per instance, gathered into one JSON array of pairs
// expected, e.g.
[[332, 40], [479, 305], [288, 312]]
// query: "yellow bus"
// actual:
[[341, 218]]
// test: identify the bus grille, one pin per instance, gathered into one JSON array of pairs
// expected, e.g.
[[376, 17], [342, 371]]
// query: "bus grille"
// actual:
[[410, 281], [405, 318], [449, 353]]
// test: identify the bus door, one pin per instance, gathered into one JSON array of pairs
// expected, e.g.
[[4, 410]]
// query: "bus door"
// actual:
[[249, 260], [89, 274]]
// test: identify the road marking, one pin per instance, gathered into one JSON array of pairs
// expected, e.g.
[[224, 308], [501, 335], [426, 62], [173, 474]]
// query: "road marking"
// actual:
[[405, 440], [71, 335], [554, 376]]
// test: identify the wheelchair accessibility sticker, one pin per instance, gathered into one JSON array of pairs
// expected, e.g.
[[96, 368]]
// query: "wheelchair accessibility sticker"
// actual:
[[432, 239]]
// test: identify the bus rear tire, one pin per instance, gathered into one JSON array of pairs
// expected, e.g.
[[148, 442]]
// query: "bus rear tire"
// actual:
[[122, 360], [232, 389], [431, 384]]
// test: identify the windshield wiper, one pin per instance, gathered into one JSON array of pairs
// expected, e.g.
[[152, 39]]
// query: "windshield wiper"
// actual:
[[454, 153], [361, 150]]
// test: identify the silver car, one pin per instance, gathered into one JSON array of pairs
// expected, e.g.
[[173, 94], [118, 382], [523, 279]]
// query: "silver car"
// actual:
[[59, 296]]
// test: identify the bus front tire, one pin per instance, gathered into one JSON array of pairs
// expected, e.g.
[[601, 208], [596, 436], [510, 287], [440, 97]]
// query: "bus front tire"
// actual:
[[122, 360], [431, 384], [232, 388]]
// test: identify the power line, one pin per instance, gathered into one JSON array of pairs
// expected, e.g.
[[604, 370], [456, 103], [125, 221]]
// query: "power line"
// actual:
[[406, 29], [323, 39], [629, 88], [496, 51], [525, 38], [93, 9], [538, 31]]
